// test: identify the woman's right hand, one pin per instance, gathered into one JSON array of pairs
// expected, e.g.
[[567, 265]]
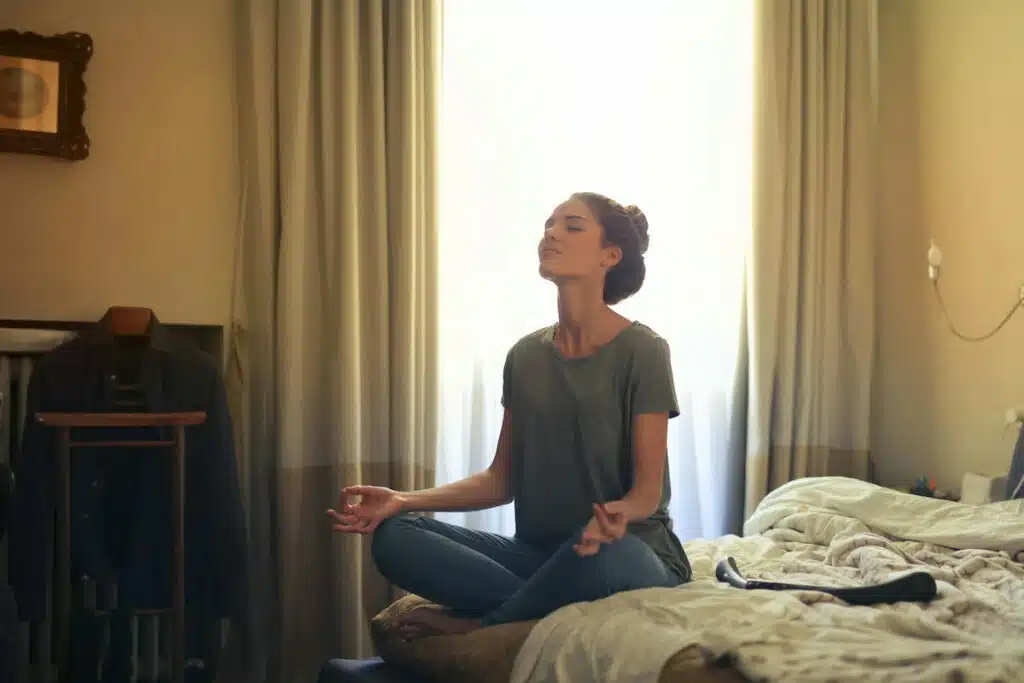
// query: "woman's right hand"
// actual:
[[374, 505]]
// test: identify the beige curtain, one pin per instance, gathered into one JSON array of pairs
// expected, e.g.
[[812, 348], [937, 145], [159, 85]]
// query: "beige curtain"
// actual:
[[333, 347], [811, 277]]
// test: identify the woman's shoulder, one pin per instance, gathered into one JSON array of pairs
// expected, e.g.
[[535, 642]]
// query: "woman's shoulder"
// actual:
[[642, 337], [534, 340]]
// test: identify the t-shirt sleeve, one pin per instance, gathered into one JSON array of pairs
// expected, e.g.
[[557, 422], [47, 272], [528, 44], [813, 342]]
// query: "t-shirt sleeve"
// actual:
[[506, 381], [652, 384]]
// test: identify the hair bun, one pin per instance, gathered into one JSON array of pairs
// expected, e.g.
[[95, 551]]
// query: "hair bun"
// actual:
[[639, 221]]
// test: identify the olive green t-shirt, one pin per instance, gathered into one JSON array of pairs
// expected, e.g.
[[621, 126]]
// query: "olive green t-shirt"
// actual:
[[561, 468]]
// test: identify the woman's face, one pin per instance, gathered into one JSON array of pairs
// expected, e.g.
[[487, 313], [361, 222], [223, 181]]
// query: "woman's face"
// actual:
[[573, 245]]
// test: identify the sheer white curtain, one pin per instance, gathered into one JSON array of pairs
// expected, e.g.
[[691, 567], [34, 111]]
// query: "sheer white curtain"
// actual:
[[649, 103]]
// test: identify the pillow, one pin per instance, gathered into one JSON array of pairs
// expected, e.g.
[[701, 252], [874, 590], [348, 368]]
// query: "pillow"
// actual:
[[488, 654], [483, 656]]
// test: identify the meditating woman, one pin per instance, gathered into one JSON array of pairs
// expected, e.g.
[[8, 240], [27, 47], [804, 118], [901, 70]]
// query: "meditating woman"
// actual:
[[581, 453]]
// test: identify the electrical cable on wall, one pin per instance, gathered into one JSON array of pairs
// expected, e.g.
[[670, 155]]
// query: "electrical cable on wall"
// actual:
[[934, 267]]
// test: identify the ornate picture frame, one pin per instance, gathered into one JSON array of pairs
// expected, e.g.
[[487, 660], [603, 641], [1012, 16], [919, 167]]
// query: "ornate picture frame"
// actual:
[[42, 94]]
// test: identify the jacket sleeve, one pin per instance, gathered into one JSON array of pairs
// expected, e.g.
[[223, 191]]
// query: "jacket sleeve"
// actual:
[[215, 496], [32, 511]]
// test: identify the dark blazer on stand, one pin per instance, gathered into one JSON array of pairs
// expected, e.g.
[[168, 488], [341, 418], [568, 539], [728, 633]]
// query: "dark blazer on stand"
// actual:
[[121, 497]]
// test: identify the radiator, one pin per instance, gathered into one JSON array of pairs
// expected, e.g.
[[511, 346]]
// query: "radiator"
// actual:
[[18, 347], [18, 350], [14, 374]]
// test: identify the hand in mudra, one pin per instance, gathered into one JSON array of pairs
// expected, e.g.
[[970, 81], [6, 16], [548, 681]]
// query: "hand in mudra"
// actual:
[[606, 526], [374, 505]]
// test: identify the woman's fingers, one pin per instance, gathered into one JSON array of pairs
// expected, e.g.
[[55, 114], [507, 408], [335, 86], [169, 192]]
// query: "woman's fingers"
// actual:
[[604, 522], [604, 527], [352, 522], [592, 535], [356, 490], [364, 493], [356, 526], [346, 516], [612, 523], [614, 516], [359, 511]]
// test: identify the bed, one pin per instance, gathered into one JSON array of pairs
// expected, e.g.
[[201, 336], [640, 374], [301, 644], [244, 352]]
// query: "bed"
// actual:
[[821, 531]]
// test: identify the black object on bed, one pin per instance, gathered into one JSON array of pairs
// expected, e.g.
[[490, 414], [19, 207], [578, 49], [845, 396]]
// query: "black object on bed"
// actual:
[[915, 587], [373, 670], [1015, 482]]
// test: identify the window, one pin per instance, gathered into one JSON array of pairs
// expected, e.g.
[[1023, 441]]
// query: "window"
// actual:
[[649, 103]]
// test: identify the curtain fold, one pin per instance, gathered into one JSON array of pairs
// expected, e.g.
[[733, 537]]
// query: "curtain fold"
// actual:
[[811, 269], [332, 352]]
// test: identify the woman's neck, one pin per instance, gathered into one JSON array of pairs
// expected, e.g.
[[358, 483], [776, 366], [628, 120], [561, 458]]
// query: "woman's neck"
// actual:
[[584, 320]]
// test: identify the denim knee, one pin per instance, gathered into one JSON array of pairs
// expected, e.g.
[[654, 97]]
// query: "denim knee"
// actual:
[[628, 542], [627, 564], [388, 547]]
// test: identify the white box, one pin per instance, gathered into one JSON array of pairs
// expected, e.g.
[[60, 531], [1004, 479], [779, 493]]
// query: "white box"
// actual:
[[979, 489]]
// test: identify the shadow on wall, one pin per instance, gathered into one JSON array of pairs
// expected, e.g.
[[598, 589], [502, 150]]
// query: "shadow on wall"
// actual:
[[902, 353]]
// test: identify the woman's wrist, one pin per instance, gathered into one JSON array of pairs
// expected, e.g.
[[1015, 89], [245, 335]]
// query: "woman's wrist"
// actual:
[[406, 501], [636, 507]]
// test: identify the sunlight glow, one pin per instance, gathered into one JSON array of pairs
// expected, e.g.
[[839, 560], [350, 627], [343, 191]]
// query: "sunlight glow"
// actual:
[[649, 102]]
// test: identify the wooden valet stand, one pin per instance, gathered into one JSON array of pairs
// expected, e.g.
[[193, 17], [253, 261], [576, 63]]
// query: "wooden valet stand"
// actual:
[[64, 423]]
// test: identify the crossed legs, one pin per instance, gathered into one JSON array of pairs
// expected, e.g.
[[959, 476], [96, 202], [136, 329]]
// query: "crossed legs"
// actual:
[[487, 579]]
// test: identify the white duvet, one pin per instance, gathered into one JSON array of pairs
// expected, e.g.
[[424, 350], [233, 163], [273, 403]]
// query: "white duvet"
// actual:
[[819, 531]]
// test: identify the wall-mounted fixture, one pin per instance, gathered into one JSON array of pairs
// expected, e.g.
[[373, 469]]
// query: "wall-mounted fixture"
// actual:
[[1014, 416], [934, 270]]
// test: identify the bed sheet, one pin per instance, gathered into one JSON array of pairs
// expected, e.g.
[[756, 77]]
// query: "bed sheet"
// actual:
[[820, 531]]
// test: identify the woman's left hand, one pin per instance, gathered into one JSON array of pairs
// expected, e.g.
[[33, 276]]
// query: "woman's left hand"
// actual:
[[606, 526]]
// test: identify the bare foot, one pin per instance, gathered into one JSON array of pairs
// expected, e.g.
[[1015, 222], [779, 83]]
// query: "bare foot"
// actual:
[[426, 621]]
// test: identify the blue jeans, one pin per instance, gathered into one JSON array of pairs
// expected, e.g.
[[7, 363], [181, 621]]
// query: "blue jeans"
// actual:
[[501, 579]]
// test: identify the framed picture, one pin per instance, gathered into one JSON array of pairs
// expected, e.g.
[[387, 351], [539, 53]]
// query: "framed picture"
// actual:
[[42, 94]]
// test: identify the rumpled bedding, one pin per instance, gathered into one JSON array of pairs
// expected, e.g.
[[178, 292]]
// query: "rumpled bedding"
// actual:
[[821, 531]]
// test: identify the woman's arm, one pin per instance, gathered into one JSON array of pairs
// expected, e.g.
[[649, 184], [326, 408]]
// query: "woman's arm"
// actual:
[[611, 520], [655, 402], [650, 448], [487, 489]]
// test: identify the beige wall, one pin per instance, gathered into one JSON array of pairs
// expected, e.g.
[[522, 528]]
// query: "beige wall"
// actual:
[[952, 79], [149, 218]]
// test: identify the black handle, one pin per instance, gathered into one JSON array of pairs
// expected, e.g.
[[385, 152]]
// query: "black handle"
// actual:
[[727, 572], [914, 587]]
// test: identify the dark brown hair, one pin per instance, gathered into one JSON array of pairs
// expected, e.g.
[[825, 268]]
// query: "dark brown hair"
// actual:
[[626, 228]]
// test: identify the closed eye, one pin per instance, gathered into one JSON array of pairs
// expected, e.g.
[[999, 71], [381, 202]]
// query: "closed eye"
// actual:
[[571, 227]]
